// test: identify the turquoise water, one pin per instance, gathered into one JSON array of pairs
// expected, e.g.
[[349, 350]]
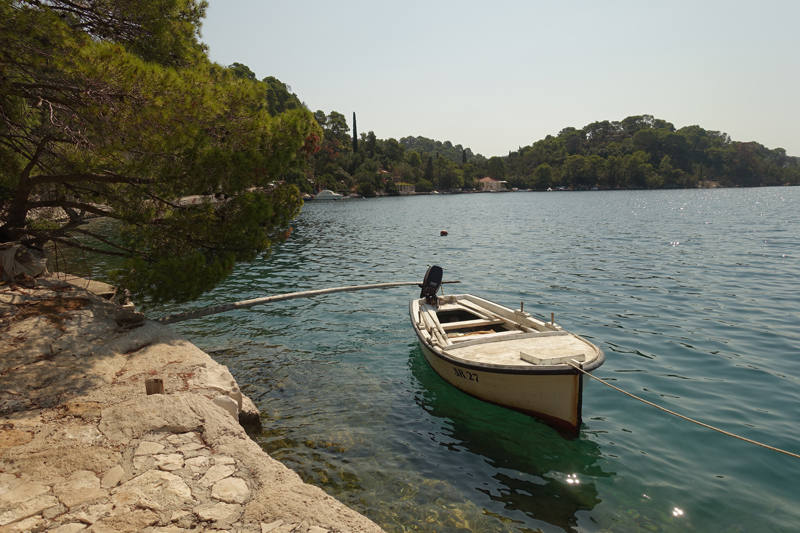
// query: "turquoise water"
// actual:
[[693, 295]]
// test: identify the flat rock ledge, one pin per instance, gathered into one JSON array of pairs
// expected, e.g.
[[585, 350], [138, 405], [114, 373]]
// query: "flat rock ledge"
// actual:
[[83, 448]]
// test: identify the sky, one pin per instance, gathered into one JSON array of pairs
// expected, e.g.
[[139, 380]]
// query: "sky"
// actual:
[[497, 75]]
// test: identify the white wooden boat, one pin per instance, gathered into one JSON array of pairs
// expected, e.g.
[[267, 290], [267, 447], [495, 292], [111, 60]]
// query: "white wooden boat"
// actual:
[[326, 194], [502, 355]]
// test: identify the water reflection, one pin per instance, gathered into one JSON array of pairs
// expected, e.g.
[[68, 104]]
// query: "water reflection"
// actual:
[[708, 327], [535, 471]]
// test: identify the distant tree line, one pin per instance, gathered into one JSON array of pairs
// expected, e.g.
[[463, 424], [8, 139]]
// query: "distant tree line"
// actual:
[[368, 165], [637, 152], [645, 152]]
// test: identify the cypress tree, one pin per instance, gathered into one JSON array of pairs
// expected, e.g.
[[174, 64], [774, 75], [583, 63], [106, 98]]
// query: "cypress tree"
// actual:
[[428, 173], [355, 134]]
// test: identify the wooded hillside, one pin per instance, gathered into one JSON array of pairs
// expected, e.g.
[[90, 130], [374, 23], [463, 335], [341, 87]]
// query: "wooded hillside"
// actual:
[[636, 152], [645, 152]]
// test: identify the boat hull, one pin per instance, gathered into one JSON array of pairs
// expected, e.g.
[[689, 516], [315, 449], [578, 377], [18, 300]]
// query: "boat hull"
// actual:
[[553, 398], [506, 357]]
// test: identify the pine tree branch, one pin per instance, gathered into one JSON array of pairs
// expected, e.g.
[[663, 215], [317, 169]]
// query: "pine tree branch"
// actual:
[[74, 244], [105, 240], [89, 208], [88, 177]]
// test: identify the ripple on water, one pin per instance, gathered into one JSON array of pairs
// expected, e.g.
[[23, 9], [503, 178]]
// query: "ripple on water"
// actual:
[[706, 327]]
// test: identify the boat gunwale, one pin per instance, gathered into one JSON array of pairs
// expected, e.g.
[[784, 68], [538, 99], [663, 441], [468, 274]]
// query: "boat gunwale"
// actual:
[[560, 369]]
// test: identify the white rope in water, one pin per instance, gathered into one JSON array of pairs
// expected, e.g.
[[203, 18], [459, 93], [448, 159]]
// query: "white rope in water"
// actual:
[[575, 366]]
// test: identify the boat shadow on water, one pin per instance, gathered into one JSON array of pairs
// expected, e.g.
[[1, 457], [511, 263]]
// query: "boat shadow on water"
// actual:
[[532, 468]]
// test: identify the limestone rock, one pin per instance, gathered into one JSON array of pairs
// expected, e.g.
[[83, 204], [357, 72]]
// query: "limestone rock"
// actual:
[[147, 504], [217, 377], [176, 439], [220, 511], [82, 435], [169, 462], [14, 437], [8, 482], [81, 486], [127, 317], [290, 528], [169, 529], [84, 517], [217, 473], [112, 477], [69, 528], [27, 509], [149, 448], [249, 417], [23, 420], [29, 525], [272, 526], [154, 485], [127, 523], [60, 462], [229, 405], [197, 464], [143, 462], [93, 368], [142, 415], [23, 493], [237, 396], [231, 490], [95, 513], [192, 446], [177, 515], [85, 410]]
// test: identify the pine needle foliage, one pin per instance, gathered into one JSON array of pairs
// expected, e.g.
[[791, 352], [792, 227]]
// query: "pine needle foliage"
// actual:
[[112, 108]]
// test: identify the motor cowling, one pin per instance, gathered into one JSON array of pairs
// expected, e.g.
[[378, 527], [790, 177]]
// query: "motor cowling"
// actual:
[[431, 283]]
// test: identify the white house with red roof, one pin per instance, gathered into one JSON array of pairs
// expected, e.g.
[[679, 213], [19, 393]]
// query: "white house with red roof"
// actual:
[[492, 185]]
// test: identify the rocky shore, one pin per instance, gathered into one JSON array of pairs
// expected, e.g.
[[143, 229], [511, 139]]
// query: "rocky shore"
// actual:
[[83, 447]]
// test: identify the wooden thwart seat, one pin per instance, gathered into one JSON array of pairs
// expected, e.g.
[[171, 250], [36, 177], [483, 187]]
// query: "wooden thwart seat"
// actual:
[[479, 323]]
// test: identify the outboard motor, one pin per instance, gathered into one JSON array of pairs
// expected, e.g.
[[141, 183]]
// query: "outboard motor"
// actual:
[[431, 283]]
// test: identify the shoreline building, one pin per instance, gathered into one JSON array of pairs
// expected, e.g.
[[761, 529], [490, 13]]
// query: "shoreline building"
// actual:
[[492, 185]]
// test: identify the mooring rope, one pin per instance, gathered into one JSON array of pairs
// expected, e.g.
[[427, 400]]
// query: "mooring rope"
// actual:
[[575, 366], [244, 304]]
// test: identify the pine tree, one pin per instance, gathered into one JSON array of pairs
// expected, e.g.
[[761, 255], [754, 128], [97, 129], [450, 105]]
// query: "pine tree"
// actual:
[[89, 100]]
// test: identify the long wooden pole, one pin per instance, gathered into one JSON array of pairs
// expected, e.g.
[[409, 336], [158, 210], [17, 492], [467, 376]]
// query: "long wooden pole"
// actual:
[[244, 304]]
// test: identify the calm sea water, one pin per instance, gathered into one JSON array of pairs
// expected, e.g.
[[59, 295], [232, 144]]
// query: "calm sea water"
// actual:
[[693, 295]]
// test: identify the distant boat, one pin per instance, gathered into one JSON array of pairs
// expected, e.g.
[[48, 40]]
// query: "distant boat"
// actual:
[[503, 356], [326, 194]]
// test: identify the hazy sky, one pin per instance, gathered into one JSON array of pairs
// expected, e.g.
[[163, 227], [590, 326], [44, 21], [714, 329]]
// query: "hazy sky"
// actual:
[[497, 75]]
